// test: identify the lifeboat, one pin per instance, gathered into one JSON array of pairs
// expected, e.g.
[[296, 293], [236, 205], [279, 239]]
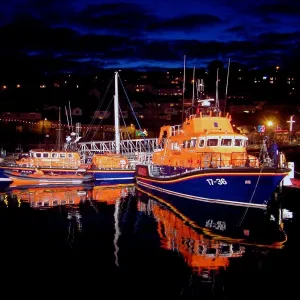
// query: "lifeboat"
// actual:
[[204, 159]]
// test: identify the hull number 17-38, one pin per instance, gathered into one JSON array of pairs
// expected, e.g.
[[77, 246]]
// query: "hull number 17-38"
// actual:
[[217, 181]]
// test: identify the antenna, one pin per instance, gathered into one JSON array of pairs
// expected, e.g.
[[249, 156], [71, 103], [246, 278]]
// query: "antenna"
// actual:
[[193, 99], [70, 116], [66, 111], [183, 88], [200, 88], [217, 89], [227, 83], [59, 136]]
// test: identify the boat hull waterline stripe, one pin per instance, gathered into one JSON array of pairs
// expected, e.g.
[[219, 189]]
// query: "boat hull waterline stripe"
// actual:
[[236, 203]]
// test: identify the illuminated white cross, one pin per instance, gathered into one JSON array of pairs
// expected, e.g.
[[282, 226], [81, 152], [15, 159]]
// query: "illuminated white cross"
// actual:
[[291, 121]]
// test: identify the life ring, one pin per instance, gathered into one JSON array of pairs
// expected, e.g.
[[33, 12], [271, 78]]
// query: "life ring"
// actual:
[[123, 163]]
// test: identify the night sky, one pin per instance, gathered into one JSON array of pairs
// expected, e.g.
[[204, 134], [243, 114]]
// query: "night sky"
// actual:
[[66, 34]]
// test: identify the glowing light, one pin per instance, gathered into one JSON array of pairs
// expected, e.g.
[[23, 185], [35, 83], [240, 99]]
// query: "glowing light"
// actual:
[[269, 123], [291, 121]]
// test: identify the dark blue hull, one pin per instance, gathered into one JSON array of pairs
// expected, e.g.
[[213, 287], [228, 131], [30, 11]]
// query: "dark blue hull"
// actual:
[[5, 181], [247, 187], [113, 176]]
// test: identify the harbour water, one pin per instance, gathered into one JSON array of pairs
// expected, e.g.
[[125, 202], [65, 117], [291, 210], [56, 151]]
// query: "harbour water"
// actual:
[[112, 241]]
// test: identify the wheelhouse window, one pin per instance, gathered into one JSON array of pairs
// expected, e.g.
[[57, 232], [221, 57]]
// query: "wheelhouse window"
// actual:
[[201, 143], [46, 155], [212, 142], [174, 146], [38, 155], [186, 144], [239, 142], [193, 143], [226, 142], [62, 155], [54, 155], [70, 155]]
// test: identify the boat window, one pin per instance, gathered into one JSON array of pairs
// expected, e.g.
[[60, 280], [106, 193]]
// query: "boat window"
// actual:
[[201, 143], [212, 142], [186, 144], [174, 146], [226, 142], [70, 155], [54, 155], [62, 155], [193, 143], [238, 142], [45, 155], [38, 155]]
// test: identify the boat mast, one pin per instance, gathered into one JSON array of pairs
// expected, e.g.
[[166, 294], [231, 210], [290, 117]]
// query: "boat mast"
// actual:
[[193, 99], [227, 84], [217, 90], [116, 110], [59, 137], [183, 88], [71, 122]]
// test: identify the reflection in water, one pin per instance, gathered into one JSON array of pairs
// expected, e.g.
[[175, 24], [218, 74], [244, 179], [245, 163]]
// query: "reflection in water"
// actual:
[[71, 198], [130, 235], [214, 236], [47, 197], [202, 254], [117, 231]]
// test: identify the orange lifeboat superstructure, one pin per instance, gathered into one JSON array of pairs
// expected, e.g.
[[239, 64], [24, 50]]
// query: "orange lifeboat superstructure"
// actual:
[[203, 140], [50, 159], [49, 167], [110, 161]]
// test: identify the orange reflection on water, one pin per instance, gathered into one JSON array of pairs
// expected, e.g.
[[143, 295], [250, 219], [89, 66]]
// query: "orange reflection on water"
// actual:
[[199, 252], [111, 193], [45, 197]]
